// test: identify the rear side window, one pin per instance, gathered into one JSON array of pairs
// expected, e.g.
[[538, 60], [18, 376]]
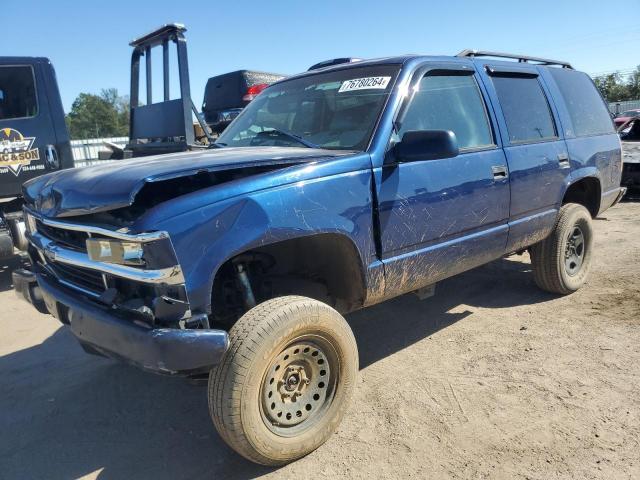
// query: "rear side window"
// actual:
[[587, 110], [17, 92], [450, 102], [525, 108]]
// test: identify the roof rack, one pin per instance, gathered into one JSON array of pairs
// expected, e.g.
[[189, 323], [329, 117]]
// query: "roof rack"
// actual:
[[520, 58], [333, 61]]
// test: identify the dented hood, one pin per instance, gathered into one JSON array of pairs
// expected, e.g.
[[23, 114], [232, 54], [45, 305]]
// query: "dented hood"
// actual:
[[115, 184]]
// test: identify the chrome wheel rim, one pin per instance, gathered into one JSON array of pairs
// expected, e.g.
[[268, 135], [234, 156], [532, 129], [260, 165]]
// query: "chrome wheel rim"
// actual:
[[574, 251], [299, 385]]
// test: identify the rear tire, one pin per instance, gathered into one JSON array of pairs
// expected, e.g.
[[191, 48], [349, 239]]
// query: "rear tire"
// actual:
[[286, 380], [562, 261], [6, 245]]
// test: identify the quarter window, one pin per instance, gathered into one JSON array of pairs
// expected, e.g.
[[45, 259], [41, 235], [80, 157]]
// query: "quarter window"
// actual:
[[587, 110], [525, 107], [17, 92], [450, 102]]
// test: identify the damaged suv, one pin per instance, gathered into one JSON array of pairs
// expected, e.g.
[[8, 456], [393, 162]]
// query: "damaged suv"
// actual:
[[333, 190]]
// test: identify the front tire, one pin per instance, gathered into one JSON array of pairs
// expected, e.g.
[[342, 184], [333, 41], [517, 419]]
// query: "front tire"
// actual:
[[562, 261], [286, 380]]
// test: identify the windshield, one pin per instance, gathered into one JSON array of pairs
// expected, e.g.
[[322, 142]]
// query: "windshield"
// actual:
[[334, 110], [630, 113]]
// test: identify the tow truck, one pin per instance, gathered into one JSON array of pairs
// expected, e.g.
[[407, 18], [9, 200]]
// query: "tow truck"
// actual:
[[33, 138]]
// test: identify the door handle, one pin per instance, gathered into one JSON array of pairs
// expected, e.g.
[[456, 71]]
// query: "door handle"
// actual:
[[51, 155], [563, 160], [499, 172]]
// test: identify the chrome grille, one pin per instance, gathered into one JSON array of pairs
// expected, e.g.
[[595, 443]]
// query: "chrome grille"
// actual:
[[83, 278], [72, 239]]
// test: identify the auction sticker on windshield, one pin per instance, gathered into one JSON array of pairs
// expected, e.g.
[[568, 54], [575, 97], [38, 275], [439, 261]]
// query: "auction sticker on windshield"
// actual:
[[364, 84]]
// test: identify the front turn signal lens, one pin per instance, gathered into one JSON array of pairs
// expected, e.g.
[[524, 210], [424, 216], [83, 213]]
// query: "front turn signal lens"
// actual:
[[31, 223]]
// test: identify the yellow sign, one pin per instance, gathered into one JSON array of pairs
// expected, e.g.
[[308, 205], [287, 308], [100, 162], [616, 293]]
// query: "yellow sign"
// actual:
[[16, 151]]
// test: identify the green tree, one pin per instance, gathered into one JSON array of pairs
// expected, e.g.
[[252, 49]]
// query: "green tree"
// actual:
[[96, 116], [634, 83], [615, 88]]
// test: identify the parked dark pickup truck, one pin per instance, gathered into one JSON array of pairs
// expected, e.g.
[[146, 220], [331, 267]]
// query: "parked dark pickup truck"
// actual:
[[333, 190], [226, 95]]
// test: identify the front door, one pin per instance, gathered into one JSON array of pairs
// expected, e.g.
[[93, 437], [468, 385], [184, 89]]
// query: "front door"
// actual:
[[441, 217], [26, 128]]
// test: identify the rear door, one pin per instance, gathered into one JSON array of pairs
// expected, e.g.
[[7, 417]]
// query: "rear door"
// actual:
[[536, 152], [26, 128]]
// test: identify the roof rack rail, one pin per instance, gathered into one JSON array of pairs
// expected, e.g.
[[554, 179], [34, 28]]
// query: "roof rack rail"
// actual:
[[333, 61], [520, 58]]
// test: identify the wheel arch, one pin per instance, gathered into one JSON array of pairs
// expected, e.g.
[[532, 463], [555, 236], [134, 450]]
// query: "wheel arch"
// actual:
[[331, 259], [585, 190]]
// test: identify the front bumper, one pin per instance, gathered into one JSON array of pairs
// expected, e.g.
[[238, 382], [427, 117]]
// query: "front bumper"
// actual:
[[162, 350]]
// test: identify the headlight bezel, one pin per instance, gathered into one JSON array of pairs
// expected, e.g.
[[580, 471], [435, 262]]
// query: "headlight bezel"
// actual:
[[119, 252]]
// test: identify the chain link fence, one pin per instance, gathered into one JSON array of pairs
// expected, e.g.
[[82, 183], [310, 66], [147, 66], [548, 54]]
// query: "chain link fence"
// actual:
[[619, 107]]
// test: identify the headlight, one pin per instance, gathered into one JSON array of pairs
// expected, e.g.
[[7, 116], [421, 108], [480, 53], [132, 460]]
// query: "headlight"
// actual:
[[115, 251], [30, 222]]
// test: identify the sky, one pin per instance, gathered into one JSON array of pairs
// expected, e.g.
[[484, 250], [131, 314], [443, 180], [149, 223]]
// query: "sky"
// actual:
[[88, 41]]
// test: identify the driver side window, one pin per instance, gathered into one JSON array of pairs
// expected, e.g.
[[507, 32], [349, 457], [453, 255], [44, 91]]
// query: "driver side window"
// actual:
[[450, 102]]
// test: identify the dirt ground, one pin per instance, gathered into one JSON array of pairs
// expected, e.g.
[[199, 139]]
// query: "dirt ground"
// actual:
[[491, 378]]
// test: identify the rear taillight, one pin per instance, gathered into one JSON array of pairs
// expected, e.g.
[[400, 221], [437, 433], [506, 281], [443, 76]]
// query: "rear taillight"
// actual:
[[253, 91]]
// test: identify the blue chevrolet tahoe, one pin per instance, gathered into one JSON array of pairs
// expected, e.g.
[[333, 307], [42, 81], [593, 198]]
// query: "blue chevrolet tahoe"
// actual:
[[333, 190]]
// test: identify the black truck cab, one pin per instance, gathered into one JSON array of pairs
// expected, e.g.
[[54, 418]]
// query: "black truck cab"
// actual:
[[33, 137]]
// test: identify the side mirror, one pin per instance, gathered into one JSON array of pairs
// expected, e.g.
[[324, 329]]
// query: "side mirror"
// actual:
[[417, 145]]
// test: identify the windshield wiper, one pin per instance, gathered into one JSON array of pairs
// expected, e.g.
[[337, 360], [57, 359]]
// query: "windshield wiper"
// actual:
[[293, 136]]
